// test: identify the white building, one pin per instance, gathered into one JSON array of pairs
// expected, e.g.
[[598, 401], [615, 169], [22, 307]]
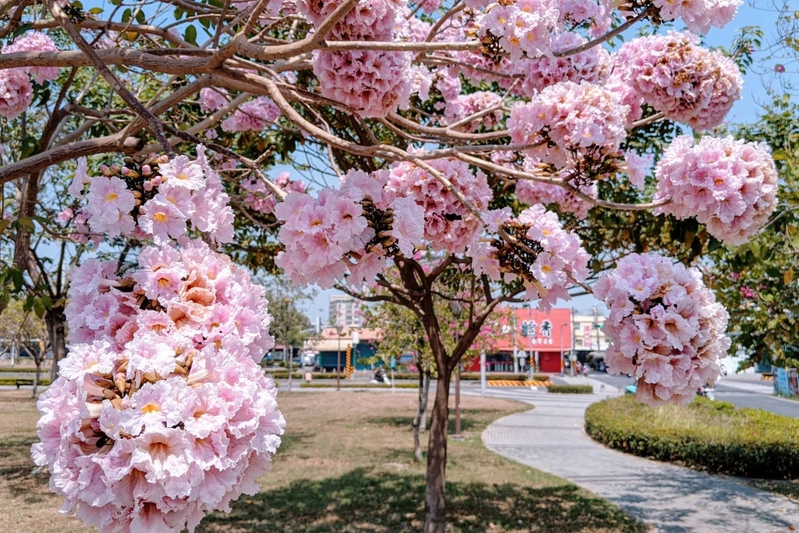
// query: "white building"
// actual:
[[345, 311], [588, 334]]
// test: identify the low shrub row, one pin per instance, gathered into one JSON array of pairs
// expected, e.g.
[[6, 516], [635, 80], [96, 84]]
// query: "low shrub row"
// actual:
[[358, 386], [283, 374], [23, 381], [571, 389], [714, 436], [15, 370]]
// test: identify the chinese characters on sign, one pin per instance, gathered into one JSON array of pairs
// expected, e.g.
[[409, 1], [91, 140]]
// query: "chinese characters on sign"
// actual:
[[530, 330], [587, 337]]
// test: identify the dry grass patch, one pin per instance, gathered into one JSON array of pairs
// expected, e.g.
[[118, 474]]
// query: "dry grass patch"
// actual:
[[346, 465]]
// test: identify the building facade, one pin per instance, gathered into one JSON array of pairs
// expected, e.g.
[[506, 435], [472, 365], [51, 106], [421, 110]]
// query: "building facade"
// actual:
[[344, 311]]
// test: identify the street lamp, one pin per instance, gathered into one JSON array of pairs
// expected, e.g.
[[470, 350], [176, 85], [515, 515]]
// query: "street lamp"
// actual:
[[456, 309]]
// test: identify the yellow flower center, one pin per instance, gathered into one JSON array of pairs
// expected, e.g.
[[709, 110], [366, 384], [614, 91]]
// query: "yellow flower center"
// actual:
[[111, 196], [160, 217], [151, 408]]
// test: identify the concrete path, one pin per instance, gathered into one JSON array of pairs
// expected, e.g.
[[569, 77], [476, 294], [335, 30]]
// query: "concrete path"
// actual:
[[670, 498]]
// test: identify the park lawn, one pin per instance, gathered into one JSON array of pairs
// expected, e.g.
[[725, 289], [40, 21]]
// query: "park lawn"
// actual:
[[345, 465]]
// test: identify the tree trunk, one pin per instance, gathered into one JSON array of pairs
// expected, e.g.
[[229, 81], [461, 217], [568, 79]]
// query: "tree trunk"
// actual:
[[425, 396], [56, 322], [291, 358], [420, 417], [435, 520], [37, 375]]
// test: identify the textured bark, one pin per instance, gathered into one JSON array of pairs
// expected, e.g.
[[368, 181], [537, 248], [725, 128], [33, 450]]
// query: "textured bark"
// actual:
[[420, 420], [435, 501], [56, 322]]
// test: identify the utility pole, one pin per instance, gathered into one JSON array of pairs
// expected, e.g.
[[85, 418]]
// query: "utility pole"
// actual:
[[515, 349], [572, 353]]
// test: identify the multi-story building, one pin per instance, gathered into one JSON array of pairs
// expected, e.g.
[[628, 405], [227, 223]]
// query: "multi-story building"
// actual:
[[588, 334], [344, 311]]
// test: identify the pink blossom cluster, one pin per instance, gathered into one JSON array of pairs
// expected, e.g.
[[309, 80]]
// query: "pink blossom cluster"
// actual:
[[254, 115], [592, 65], [34, 41], [16, 89], [369, 20], [727, 184], [522, 27], [160, 413], [373, 83], [597, 13], [747, 292], [213, 98], [16, 92], [665, 327], [410, 28], [448, 224], [466, 105], [155, 199], [329, 237], [679, 78], [698, 15], [259, 197], [560, 259], [429, 6], [566, 119]]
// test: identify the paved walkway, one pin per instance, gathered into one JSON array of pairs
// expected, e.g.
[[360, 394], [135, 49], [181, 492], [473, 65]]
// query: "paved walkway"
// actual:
[[670, 498]]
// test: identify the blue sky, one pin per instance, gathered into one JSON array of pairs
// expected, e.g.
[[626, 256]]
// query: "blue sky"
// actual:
[[753, 13]]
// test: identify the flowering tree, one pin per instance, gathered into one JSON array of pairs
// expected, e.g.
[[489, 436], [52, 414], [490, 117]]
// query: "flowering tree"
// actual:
[[445, 127]]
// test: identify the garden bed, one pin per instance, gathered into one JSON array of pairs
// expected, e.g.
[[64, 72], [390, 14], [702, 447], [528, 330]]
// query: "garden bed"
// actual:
[[713, 436], [571, 389]]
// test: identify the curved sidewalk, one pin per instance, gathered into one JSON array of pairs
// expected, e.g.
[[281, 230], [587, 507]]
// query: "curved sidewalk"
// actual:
[[670, 498]]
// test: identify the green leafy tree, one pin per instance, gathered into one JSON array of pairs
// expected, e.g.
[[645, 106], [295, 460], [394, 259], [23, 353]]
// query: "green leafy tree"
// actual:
[[758, 282], [21, 327]]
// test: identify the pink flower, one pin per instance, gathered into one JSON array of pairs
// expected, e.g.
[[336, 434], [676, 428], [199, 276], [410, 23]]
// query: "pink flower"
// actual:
[[727, 184], [80, 180], [373, 83], [34, 41], [16, 92], [665, 327], [162, 220], [408, 226], [568, 118], [699, 15], [182, 172], [110, 204], [254, 115], [685, 82], [369, 20], [193, 422], [213, 98]]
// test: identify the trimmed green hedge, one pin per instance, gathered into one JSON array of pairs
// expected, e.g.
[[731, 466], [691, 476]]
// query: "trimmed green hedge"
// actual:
[[571, 389], [26, 370], [358, 386], [13, 381], [283, 374], [714, 436]]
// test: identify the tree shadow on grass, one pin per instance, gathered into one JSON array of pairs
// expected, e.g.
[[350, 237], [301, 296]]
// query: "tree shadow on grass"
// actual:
[[367, 500], [16, 467]]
